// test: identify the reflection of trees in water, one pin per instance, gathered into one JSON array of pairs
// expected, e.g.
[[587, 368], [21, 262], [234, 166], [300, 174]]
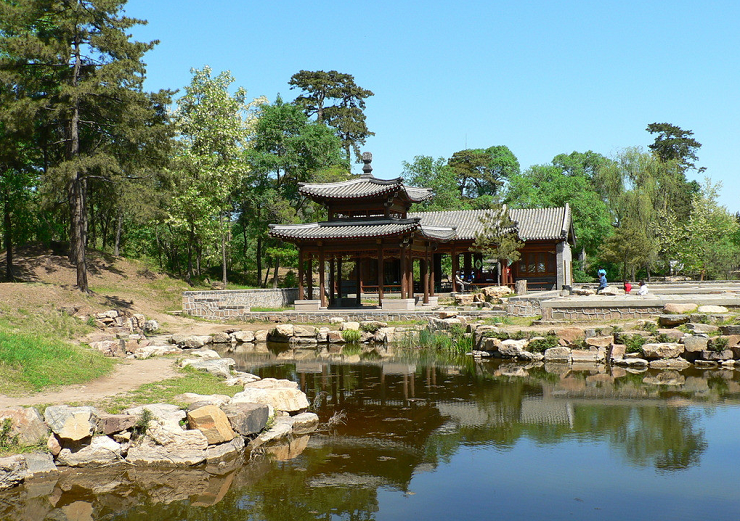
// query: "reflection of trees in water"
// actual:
[[664, 437]]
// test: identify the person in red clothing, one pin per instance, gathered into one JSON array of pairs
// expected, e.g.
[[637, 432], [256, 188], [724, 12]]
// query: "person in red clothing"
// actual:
[[627, 287]]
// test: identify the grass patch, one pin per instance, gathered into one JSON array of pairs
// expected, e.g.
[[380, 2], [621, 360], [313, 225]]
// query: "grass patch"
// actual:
[[30, 362], [193, 381]]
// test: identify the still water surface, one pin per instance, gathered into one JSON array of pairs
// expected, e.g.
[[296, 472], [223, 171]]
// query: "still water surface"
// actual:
[[430, 438]]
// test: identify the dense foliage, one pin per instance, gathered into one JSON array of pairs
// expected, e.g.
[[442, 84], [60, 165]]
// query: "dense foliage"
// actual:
[[88, 159]]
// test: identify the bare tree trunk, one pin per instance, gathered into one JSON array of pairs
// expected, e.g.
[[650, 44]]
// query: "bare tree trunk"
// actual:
[[259, 261], [119, 226], [189, 275], [275, 274], [8, 239]]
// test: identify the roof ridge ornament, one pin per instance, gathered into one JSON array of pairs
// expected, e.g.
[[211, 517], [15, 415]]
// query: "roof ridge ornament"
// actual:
[[367, 168]]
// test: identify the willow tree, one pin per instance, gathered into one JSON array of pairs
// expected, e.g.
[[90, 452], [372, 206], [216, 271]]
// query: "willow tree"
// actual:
[[81, 78]]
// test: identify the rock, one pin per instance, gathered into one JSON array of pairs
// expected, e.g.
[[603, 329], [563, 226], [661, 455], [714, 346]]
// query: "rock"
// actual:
[[225, 451], [672, 334], [557, 354], [221, 338], [385, 335], [213, 423], [112, 423], [148, 351], [616, 352], [695, 343], [631, 362], [111, 348], [240, 378], [526, 356], [570, 335], [220, 367], [717, 356], [53, 445], [305, 422], [195, 341], [733, 341], [672, 320], [443, 324], [322, 335], [612, 291], [662, 350], [169, 445], [583, 291], [205, 354], [449, 313], [26, 424], [150, 327], [701, 328], [345, 326], [70, 423], [247, 418], [203, 399], [600, 341], [281, 399], [512, 348], [101, 450], [678, 364], [730, 330], [585, 356], [272, 383], [335, 337], [281, 333], [279, 430], [303, 341], [481, 354], [496, 292], [712, 309], [336, 320], [243, 337], [162, 412], [40, 464], [304, 331], [679, 307], [13, 471], [261, 335]]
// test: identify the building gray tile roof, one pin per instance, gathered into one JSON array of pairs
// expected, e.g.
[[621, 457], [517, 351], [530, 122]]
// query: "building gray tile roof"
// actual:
[[532, 223], [359, 228], [364, 186]]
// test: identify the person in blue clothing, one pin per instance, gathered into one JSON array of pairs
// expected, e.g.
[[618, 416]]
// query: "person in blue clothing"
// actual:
[[602, 281]]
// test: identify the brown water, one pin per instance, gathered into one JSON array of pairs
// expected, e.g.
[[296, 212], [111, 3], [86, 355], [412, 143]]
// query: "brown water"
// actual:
[[433, 438]]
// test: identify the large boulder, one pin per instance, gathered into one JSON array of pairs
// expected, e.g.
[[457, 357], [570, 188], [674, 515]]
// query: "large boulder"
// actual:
[[26, 423], [570, 335], [679, 307], [162, 412], [281, 399], [733, 329], [100, 451], [225, 451], [496, 292], [247, 418], [662, 350], [242, 337], [169, 445], [220, 367], [712, 309], [304, 331], [512, 348], [71, 423], [281, 333], [113, 423], [672, 320], [695, 343], [558, 354], [213, 423], [600, 341]]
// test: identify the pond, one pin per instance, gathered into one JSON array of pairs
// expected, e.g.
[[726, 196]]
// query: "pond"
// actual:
[[415, 435]]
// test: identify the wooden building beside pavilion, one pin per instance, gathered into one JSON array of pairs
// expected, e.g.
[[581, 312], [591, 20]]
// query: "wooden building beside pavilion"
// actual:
[[369, 225]]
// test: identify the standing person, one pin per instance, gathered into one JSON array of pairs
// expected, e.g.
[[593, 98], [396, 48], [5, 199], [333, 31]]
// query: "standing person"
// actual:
[[643, 289], [602, 281], [627, 287]]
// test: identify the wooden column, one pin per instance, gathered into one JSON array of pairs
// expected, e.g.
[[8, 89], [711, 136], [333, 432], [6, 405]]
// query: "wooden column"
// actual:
[[309, 273], [432, 275], [424, 265], [381, 274], [332, 281], [339, 278], [455, 269], [404, 268], [322, 280], [437, 267], [301, 296], [358, 282], [468, 265], [410, 274]]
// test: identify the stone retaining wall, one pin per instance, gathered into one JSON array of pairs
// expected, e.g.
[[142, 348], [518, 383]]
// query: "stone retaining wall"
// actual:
[[354, 315], [234, 303], [551, 311]]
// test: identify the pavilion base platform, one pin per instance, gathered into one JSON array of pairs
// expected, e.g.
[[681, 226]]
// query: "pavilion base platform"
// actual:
[[399, 304], [307, 305]]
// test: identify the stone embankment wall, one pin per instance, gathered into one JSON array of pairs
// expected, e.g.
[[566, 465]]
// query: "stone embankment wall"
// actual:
[[553, 311], [233, 303]]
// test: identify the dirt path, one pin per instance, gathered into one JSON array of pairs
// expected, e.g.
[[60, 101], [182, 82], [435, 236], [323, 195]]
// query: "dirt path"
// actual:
[[126, 377]]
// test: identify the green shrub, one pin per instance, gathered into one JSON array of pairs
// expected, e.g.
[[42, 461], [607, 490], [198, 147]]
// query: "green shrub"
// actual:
[[370, 327], [540, 345], [351, 335], [652, 327], [633, 343], [718, 344]]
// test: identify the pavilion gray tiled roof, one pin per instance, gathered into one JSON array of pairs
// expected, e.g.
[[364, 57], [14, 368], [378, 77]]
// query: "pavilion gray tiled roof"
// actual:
[[360, 228], [364, 186], [532, 223]]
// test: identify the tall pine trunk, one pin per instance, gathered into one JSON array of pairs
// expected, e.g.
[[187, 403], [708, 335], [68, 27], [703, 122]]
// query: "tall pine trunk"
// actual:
[[8, 239], [117, 244]]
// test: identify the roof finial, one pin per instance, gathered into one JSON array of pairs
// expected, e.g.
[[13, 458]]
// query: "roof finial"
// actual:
[[367, 168]]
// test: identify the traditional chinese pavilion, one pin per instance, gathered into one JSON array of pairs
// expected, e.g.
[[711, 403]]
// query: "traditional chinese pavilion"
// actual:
[[369, 224]]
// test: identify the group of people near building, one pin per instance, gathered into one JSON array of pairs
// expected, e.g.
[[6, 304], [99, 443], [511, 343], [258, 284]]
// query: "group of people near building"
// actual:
[[642, 291]]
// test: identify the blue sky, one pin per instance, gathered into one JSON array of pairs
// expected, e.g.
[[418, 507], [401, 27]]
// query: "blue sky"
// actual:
[[541, 77]]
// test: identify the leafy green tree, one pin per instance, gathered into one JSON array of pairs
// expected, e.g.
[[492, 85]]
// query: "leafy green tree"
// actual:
[[81, 77], [427, 172], [499, 238], [214, 127], [483, 172], [336, 100]]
